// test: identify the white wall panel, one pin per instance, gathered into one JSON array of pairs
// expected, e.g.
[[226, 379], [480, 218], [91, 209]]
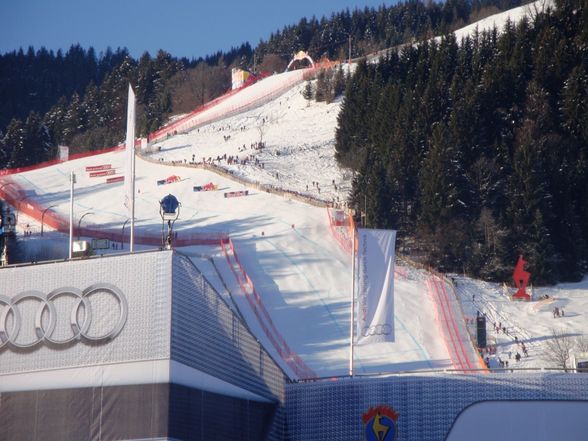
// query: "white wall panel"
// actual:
[[143, 278]]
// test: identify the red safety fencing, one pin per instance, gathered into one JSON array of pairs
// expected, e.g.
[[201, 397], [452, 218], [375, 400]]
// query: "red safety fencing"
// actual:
[[446, 317], [341, 226], [291, 358], [198, 117], [180, 124], [187, 122], [11, 171], [12, 193]]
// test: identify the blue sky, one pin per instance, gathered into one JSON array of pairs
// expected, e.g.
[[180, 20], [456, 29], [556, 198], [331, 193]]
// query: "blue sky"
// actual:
[[185, 28]]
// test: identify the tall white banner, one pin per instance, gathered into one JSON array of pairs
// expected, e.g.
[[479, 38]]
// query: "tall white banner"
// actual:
[[375, 286], [130, 153]]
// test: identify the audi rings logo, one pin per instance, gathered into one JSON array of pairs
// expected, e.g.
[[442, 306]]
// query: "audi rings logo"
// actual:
[[81, 316], [384, 329]]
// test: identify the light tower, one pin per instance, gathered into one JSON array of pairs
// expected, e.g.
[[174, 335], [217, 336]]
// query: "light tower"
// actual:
[[169, 210]]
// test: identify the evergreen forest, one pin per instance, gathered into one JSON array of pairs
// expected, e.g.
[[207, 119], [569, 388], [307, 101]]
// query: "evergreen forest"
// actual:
[[476, 151], [77, 98]]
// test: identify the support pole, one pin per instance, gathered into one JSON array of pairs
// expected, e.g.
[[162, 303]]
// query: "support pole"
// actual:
[[351, 326], [130, 165], [132, 235], [72, 180]]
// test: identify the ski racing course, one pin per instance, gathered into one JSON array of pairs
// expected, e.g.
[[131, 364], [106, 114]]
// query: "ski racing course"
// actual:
[[272, 256]]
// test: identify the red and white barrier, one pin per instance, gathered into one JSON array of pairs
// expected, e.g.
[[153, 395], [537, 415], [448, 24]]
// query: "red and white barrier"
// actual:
[[255, 301], [341, 226], [446, 317], [15, 196], [213, 111]]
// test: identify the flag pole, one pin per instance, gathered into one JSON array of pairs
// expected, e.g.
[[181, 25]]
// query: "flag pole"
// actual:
[[132, 236], [130, 147], [351, 326], [72, 181]]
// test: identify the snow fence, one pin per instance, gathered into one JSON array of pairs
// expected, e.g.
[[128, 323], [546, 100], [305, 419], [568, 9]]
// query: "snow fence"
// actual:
[[12, 193], [291, 358]]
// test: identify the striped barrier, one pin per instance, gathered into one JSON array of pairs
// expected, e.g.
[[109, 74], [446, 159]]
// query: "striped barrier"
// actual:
[[266, 323], [447, 321], [15, 196]]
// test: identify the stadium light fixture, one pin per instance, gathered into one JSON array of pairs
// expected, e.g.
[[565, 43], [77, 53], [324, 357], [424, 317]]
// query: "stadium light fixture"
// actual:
[[43, 216]]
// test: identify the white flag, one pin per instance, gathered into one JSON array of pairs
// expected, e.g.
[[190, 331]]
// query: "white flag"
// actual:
[[375, 297], [130, 154]]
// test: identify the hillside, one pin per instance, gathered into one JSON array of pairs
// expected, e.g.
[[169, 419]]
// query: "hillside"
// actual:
[[473, 145], [286, 246]]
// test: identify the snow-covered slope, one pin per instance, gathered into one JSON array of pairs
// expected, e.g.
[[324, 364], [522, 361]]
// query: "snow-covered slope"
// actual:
[[286, 247], [499, 20]]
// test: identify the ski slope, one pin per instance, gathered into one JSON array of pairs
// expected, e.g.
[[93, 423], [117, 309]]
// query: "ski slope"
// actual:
[[284, 245]]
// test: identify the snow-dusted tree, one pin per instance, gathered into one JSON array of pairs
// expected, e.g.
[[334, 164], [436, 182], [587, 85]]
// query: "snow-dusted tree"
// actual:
[[324, 88], [558, 348], [73, 122], [14, 142], [307, 92], [582, 344]]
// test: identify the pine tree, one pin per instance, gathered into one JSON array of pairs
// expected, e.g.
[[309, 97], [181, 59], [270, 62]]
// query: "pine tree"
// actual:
[[371, 194], [323, 86], [54, 120], [72, 122], [439, 189], [352, 132], [338, 83], [4, 156], [307, 92], [37, 141], [531, 200], [14, 143]]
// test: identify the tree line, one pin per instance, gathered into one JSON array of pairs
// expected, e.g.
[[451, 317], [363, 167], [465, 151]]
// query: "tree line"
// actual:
[[78, 98], [372, 29], [477, 151]]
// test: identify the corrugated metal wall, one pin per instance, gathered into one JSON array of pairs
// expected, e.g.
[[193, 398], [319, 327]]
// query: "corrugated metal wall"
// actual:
[[144, 279], [427, 405], [208, 336]]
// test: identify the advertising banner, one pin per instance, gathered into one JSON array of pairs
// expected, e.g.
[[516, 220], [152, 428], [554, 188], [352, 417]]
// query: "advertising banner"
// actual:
[[97, 174], [91, 168], [115, 179], [91, 313], [130, 154], [235, 194], [375, 292]]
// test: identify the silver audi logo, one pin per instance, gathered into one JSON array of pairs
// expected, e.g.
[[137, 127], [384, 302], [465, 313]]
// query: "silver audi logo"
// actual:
[[75, 320]]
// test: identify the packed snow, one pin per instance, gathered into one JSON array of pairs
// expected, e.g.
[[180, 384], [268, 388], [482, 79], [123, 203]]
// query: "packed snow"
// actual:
[[284, 241]]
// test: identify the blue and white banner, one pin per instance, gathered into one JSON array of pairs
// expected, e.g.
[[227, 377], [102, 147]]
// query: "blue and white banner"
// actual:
[[375, 290]]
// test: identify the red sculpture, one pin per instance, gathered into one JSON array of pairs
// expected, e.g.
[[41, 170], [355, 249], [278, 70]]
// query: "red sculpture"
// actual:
[[521, 280]]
